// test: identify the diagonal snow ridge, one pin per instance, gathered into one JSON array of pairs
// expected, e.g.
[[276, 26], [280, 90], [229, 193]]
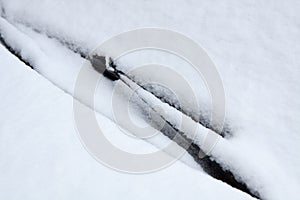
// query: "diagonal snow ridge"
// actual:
[[153, 90], [41, 152], [261, 150], [161, 94], [41, 63], [42, 66]]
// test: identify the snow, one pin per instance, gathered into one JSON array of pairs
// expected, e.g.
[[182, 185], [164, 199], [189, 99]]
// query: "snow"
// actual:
[[64, 61], [252, 43], [42, 156]]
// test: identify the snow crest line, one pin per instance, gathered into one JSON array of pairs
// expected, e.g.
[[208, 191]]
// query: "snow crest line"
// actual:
[[83, 52], [211, 167]]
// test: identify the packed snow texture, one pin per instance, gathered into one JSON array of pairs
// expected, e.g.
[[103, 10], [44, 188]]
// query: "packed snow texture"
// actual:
[[42, 157], [252, 43]]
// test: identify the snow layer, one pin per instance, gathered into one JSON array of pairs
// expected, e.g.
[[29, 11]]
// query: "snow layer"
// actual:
[[69, 64], [42, 157], [253, 44]]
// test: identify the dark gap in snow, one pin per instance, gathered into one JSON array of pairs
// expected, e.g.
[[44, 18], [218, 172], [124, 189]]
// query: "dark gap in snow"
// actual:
[[201, 119], [14, 52], [210, 166]]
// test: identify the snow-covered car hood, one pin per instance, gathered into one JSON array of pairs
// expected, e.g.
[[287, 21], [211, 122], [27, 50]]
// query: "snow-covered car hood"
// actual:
[[254, 48]]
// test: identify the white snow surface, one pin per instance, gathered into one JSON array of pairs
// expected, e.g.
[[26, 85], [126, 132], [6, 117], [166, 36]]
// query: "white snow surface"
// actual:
[[254, 47], [43, 158]]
